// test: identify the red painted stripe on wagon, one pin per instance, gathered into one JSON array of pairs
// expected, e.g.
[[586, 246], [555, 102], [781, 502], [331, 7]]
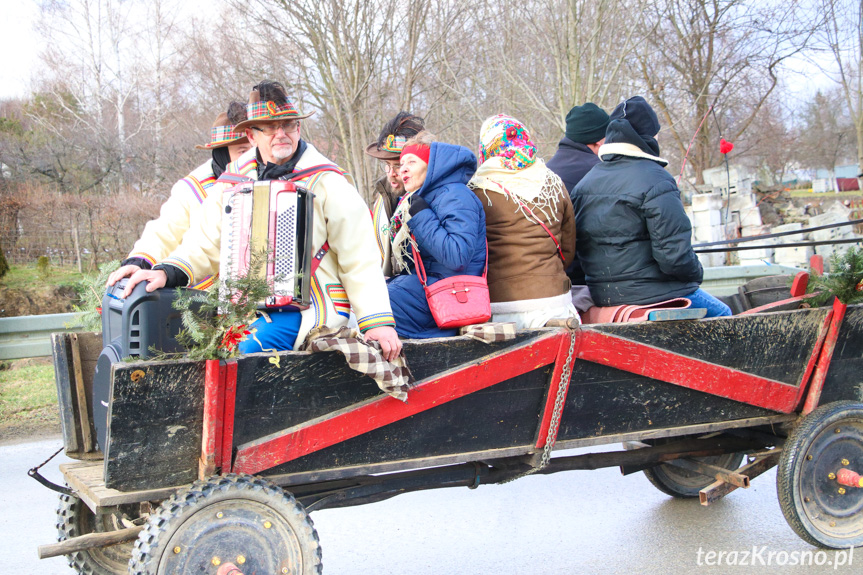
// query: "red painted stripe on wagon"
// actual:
[[380, 411], [688, 372], [816, 352], [553, 386]]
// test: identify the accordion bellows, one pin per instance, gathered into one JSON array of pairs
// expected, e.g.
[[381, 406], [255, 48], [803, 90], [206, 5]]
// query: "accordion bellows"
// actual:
[[275, 216]]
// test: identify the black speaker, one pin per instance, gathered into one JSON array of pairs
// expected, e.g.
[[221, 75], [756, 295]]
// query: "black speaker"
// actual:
[[131, 327]]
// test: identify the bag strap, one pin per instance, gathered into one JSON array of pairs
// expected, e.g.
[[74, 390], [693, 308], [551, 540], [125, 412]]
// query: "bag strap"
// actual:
[[421, 270], [539, 221], [234, 178], [316, 261], [312, 171]]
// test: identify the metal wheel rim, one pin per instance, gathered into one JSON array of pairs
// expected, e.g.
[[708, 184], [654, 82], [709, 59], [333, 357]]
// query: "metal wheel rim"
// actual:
[[234, 530], [817, 496]]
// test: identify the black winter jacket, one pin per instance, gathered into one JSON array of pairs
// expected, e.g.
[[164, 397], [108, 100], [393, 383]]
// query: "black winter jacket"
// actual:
[[632, 235], [571, 162]]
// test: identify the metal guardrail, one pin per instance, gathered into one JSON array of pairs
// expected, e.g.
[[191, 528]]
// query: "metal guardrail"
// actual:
[[30, 335]]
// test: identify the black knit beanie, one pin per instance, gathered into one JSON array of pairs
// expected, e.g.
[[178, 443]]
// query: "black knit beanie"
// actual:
[[586, 124]]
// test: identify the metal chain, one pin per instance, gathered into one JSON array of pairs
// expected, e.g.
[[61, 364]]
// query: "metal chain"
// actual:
[[41, 465], [34, 473], [551, 438]]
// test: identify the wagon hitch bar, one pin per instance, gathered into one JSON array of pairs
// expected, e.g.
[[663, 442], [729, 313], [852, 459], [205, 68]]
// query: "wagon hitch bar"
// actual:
[[34, 473]]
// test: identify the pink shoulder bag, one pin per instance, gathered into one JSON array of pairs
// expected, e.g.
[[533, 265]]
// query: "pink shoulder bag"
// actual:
[[456, 301]]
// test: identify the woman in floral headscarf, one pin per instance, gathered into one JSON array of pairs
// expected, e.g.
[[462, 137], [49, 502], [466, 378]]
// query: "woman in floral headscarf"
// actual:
[[530, 227]]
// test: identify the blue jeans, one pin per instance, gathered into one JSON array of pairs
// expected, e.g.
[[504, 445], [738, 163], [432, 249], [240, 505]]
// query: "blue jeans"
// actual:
[[714, 307], [280, 334]]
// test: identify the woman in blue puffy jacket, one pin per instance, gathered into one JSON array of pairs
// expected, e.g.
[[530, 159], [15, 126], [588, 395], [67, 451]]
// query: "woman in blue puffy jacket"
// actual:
[[448, 223]]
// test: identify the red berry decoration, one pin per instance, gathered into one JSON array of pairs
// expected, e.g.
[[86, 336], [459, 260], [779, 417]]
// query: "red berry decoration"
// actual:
[[725, 146]]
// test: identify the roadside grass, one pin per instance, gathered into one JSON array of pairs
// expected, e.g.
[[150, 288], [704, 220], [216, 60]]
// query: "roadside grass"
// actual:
[[26, 276], [28, 396]]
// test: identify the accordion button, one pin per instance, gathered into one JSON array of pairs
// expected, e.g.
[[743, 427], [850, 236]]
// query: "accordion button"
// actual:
[[227, 209]]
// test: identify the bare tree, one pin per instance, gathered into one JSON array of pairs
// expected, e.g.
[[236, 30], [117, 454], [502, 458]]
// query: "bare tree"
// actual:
[[718, 57], [843, 35]]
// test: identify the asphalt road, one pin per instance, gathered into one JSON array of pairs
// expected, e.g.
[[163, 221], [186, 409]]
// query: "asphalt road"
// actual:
[[580, 522]]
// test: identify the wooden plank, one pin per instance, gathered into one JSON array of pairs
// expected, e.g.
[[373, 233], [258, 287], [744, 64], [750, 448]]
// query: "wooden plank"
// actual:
[[682, 430], [663, 365], [569, 342], [290, 399], [767, 345], [306, 477], [306, 386], [505, 415], [85, 478], [155, 424], [60, 343], [843, 380], [83, 405], [813, 396], [356, 420], [603, 400], [211, 434]]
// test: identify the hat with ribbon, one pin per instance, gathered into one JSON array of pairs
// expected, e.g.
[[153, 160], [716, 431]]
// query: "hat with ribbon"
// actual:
[[223, 133], [394, 135], [390, 149], [277, 110]]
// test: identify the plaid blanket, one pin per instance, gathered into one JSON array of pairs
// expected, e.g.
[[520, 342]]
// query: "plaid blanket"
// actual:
[[489, 332], [365, 357]]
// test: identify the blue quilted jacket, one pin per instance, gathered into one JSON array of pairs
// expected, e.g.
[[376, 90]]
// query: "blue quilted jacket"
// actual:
[[450, 235]]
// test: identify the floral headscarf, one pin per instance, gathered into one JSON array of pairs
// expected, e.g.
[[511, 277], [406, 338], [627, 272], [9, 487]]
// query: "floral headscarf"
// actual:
[[509, 165], [506, 137]]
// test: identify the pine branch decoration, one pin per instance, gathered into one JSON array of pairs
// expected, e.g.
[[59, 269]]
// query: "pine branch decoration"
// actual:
[[90, 290], [845, 280], [215, 321]]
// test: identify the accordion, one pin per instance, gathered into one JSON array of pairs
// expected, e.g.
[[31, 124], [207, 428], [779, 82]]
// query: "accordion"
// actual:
[[276, 217]]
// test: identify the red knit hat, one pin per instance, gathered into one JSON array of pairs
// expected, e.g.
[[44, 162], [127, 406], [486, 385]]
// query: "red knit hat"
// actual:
[[422, 151]]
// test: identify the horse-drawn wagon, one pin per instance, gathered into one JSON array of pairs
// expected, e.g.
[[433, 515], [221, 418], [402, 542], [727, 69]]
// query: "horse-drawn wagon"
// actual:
[[205, 461]]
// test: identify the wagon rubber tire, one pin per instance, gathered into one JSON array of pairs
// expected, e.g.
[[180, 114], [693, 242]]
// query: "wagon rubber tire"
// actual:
[[74, 518], [809, 499], [238, 518], [685, 484]]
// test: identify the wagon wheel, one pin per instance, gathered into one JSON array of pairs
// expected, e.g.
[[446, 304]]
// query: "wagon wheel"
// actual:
[[684, 483], [74, 518], [819, 508], [233, 518]]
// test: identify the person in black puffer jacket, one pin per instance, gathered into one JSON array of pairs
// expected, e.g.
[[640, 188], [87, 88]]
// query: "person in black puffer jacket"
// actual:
[[632, 235]]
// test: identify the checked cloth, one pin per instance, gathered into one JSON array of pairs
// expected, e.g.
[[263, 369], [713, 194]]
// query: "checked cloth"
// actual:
[[490, 332], [365, 357]]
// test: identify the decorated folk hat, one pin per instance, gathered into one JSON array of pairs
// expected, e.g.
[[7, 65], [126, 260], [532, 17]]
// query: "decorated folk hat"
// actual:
[[390, 149], [260, 111], [222, 134], [395, 133]]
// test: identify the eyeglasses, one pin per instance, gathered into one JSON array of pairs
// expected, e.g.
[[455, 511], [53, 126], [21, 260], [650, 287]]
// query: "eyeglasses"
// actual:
[[387, 167], [288, 127]]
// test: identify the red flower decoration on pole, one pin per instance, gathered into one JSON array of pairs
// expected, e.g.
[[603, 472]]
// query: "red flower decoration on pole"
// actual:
[[233, 337], [725, 146]]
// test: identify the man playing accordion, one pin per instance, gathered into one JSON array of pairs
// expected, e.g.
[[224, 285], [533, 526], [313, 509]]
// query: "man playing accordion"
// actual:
[[348, 277]]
